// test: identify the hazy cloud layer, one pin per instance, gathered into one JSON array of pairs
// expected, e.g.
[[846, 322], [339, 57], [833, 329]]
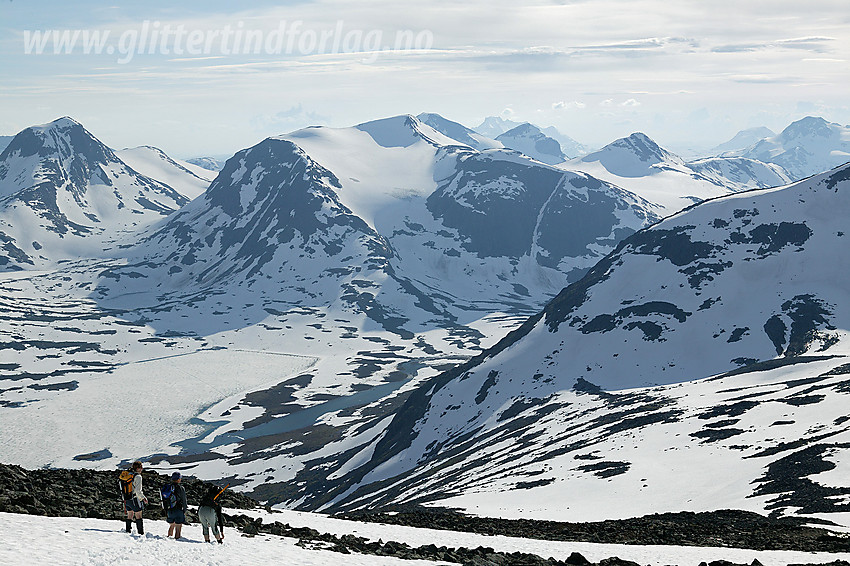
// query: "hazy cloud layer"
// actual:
[[687, 73]]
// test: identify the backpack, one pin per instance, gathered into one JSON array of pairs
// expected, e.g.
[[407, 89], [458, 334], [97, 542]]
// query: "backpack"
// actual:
[[168, 493], [125, 484]]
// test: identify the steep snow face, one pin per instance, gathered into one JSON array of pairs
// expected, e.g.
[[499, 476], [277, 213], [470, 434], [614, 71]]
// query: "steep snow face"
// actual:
[[403, 131], [806, 147], [5, 141], [187, 179], [459, 132], [502, 206], [382, 167], [743, 139], [65, 195], [530, 141], [605, 382]]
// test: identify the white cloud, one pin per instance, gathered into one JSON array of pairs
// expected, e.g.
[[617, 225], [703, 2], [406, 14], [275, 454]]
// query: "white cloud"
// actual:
[[630, 103], [571, 105]]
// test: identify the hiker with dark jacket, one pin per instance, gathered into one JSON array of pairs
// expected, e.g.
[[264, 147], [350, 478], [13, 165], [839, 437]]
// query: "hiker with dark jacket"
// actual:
[[209, 512], [176, 513], [134, 498]]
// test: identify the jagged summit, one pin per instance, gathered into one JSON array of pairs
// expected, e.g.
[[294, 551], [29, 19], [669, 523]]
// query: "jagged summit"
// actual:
[[63, 122], [634, 156], [64, 194], [62, 138]]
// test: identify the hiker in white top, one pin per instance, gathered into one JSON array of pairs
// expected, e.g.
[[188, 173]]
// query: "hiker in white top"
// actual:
[[137, 502]]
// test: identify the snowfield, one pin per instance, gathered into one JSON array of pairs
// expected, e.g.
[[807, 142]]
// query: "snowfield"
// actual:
[[30, 539], [142, 406]]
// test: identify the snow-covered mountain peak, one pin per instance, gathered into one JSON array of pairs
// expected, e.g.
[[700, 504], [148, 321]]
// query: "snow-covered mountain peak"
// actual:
[[644, 148], [403, 131], [206, 162], [458, 132], [64, 138], [152, 149], [634, 156], [66, 195], [63, 123], [530, 140], [806, 147], [236, 186], [525, 129], [809, 127]]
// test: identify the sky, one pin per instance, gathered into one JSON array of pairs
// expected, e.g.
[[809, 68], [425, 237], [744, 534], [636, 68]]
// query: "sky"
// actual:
[[689, 73]]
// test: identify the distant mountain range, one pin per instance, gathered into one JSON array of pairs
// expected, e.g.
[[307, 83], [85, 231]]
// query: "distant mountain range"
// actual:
[[494, 126], [806, 147], [401, 198], [645, 168], [411, 311], [742, 140]]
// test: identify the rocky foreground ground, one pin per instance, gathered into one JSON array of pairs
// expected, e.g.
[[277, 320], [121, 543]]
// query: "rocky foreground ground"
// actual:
[[94, 494]]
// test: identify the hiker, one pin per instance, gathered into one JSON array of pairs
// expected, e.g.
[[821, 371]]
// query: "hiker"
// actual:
[[209, 512], [175, 505], [130, 482]]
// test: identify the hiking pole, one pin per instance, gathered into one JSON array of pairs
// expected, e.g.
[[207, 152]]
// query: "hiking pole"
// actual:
[[220, 492]]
